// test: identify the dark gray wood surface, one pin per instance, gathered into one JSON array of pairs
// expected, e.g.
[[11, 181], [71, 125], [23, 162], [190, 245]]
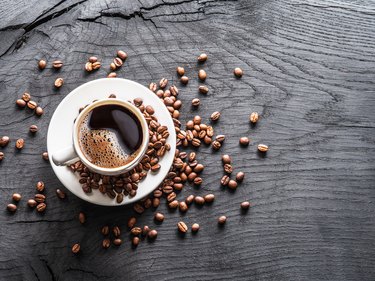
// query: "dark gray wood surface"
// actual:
[[309, 71]]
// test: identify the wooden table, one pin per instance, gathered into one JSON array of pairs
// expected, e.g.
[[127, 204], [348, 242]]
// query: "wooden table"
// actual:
[[308, 70]]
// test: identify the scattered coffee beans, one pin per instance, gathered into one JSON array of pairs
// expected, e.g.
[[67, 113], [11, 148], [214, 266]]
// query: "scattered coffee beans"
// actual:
[[112, 75], [222, 220], [4, 140], [262, 147], [59, 82], [106, 243], [184, 80], [40, 186], [16, 197], [42, 64], [183, 207], [135, 241], [1, 156], [245, 205], [26, 96], [33, 129], [240, 176], [195, 227], [45, 156], [163, 83], [215, 116], [20, 143], [39, 111], [254, 117], [232, 184], [118, 62], [57, 64], [244, 141], [202, 57], [182, 227], [122, 55], [136, 230], [238, 72], [32, 203], [11, 207], [199, 200], [117, 242], [116, 231], [202, 75], [209, 198], [159, 217], [105, 230], [180, 71], [203, 89], [81, 218], [61, 194], [152, 234], [21, 103], [131, 222], [41, 207], [76, 248], [32, 104]]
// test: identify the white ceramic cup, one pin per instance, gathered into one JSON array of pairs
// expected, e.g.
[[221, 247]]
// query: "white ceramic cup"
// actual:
[[73, 153]]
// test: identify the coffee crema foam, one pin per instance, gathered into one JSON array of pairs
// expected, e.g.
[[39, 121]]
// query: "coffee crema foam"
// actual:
[[102, 147]]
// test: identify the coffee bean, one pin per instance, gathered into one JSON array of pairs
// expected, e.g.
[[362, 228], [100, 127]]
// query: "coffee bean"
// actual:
[[88, 66], [32, 203], [216, 145], [112, 66], [240, 176], [244, 141], [222, 220], [195, 102], [136, 230], [105, 230], [196, 142], [155, 202], [225, 180], [220, 138], [262, 147], [226, 159], [152, 234], [76, 248], [20, 103], [4, 140], [81, 218], [254, 117], [173, 204], [228, 168], [163, 83], [198, 168], [195, 227], [155, 168], [112, 96], [245, 205], [183, 206], [11, 207], [215, 116], [184, 79], [171, 197], [96, 65], [119, 198], [138, 208], [112, 75], [118, 62], [16, 197], [209, 198], [40, 198], [145, 230], [41, 207], [93, 59], [45, 156], [59, 82], [238, 72], [150, 110], [180, 70], [232, 184], [131, 222], [57, 64], [174, 90], [61, 194], [26, 97], [159, 217], [203, 89], [117, 242], [135, 241], [189, 199], [106, 243], [42, 64], [202, 57], [33, 129], [199, 200], [202, 74], [39, 111], [122, 55], [182, 227], [40, 186], [191, 176], [198, 181], [20, 143], [32, 104], [1, 156]]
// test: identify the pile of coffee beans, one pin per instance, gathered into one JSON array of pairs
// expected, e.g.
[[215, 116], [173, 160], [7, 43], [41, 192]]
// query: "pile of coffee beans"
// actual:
[[26, 102]]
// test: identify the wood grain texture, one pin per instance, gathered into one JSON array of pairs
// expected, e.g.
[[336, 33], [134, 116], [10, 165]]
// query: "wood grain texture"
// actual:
[[309, 71]]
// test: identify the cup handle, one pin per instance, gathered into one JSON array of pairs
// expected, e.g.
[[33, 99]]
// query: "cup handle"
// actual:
[[65, 156]]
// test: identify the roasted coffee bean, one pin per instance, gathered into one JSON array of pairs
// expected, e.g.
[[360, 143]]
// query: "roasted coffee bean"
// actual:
[[32, 104], [118, 62], [262, 147], [20, 143], [245, 205], [117, 242], [112, 75], [228, 168], [202, 74], [88, 66], [203, 89], [57, 64], [189, 199], [138, 208], [81, 218], [199, 200], [61, 194], [39, 111], [106, 243], [105, 230], [96, 65], [32, 203], [145, 230], [59, 82], [150, 110], [208, 198], [152, 234], [26, 96], [184, 79], [171, 197], [244, 141], [222, 220], [240, 176], [4, 140], [195, 227], [174, 90], [33, 129], [182, 227], [216, 145], [195, 102], [21, 103], [198, 180], [122, 55], [45, 156], [238, 72], [158, 193], [192, 176], [155, 168], [173, 204], [180, 70], [119, 198], [226, 159], [135, 241], [232, 184], [131, 222], [167, 189], [225, 180], [215, 116], [41, 207], [40, 186], [112, 66], [198, 168], [136, 231], [76, 248], [159, 217], [16, 197], [197, 120], [254, 117], [40, 198], [183, 207], [11, 207], [1, 156], [163, 83], [220, 138], [93, 59], [196, 142], [202, 57], [116, 231], [42, 64], [155, 202]]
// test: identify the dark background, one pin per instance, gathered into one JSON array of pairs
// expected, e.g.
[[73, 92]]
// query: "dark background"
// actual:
[[309, 72]]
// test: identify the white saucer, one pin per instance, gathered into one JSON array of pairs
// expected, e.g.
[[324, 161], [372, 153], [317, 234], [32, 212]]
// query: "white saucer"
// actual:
[[61, 126]]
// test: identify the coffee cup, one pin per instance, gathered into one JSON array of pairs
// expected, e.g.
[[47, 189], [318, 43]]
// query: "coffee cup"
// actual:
[[107, 150]]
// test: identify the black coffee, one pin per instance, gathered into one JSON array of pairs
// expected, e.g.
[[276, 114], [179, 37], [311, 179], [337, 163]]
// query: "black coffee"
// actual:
[[110, 136]]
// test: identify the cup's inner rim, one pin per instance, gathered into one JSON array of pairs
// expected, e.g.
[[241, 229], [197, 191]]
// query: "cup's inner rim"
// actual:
[[126, 104]]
